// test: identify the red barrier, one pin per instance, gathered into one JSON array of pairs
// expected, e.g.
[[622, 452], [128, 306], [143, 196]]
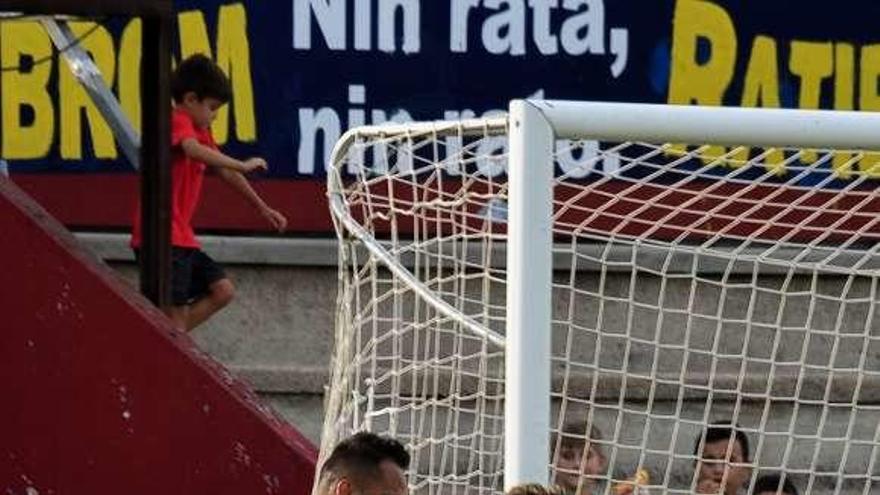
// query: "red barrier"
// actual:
[[99, 394], [72, 199]]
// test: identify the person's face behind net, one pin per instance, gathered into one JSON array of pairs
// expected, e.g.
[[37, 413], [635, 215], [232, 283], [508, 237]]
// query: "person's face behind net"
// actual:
[[718, 473], [576, 458]]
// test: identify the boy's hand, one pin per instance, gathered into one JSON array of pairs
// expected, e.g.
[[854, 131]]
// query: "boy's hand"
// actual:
[[275, 218], [642, 477], [624, 489], [252, 164]]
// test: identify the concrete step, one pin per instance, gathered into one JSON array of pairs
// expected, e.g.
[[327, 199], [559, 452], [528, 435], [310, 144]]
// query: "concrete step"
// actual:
[[280, 328], [278, 332]]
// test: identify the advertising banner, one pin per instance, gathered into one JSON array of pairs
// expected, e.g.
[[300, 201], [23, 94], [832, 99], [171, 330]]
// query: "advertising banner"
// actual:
[[304, 71]]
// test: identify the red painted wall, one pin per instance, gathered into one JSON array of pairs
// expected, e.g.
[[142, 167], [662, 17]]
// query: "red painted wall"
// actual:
[[107, 201], [98, 394]]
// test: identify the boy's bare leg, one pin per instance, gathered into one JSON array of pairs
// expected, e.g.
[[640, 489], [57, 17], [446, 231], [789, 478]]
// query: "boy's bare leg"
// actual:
[[179, 315], [220, 294]]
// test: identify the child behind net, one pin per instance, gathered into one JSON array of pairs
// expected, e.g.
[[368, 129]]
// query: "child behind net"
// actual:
[[580, 466]]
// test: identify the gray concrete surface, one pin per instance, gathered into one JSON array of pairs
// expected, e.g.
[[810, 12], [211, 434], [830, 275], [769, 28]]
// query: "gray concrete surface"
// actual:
[[305, 411], [278, 332]]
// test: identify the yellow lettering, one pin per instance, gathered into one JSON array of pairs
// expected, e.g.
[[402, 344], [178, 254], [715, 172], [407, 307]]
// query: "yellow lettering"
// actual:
[[844, 98], [28, 115], [25, 90], [869, 100], [762, 75], [692, 82], [761, 89], [811, 62], [701, 82], [234, 57], [193, 34], [870, 164], [74, 99], [129, 83], [844, 74]]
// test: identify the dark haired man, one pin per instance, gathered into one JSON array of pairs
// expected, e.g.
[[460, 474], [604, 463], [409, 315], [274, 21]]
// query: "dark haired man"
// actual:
[[365, 464]]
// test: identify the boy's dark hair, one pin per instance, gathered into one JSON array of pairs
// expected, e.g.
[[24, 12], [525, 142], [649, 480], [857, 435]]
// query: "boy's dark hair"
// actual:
[[774, 483], [200, 75], [724, 430], [358, 457]]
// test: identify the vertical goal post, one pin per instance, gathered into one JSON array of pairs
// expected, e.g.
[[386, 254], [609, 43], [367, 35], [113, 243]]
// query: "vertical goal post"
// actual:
[[534, 126], [529, 268]]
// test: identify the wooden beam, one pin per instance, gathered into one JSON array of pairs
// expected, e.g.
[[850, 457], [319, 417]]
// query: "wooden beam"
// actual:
[[156, 161], [90, 7]]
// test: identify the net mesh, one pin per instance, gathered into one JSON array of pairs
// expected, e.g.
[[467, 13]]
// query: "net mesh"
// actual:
[[695, 289]]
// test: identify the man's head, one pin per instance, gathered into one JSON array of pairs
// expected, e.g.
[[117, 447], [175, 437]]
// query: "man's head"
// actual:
[[578, 456], [200, 88], [774, 484], [365, 464], [722, 458]]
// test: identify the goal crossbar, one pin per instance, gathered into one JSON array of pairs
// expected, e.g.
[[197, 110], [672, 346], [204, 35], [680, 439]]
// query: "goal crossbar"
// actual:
[[765, 127]]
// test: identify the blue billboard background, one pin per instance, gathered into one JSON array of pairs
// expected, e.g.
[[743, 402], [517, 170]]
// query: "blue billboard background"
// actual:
[[465, 57]]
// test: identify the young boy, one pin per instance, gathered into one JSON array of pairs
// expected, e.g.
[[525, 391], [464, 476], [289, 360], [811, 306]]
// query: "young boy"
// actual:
[[579, 462], [200, 287], [716, 471]]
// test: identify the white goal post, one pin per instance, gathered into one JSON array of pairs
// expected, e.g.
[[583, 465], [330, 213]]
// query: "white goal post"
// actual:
[[564, 273]]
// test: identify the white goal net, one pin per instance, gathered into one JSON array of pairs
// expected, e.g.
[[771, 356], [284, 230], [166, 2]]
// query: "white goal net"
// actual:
[[698, 292]]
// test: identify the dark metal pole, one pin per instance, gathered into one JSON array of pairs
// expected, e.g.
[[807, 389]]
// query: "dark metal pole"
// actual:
[[89, 7], [155, 161]]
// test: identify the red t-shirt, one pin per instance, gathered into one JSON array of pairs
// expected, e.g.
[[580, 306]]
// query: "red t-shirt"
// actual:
[[186, 183]]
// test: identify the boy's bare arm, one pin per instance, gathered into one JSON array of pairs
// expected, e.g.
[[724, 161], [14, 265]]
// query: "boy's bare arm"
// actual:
[[211, 157], [241, 184]]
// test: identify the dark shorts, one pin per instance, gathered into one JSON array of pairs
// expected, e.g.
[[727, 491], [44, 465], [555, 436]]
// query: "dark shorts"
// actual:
[[192, 273]]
